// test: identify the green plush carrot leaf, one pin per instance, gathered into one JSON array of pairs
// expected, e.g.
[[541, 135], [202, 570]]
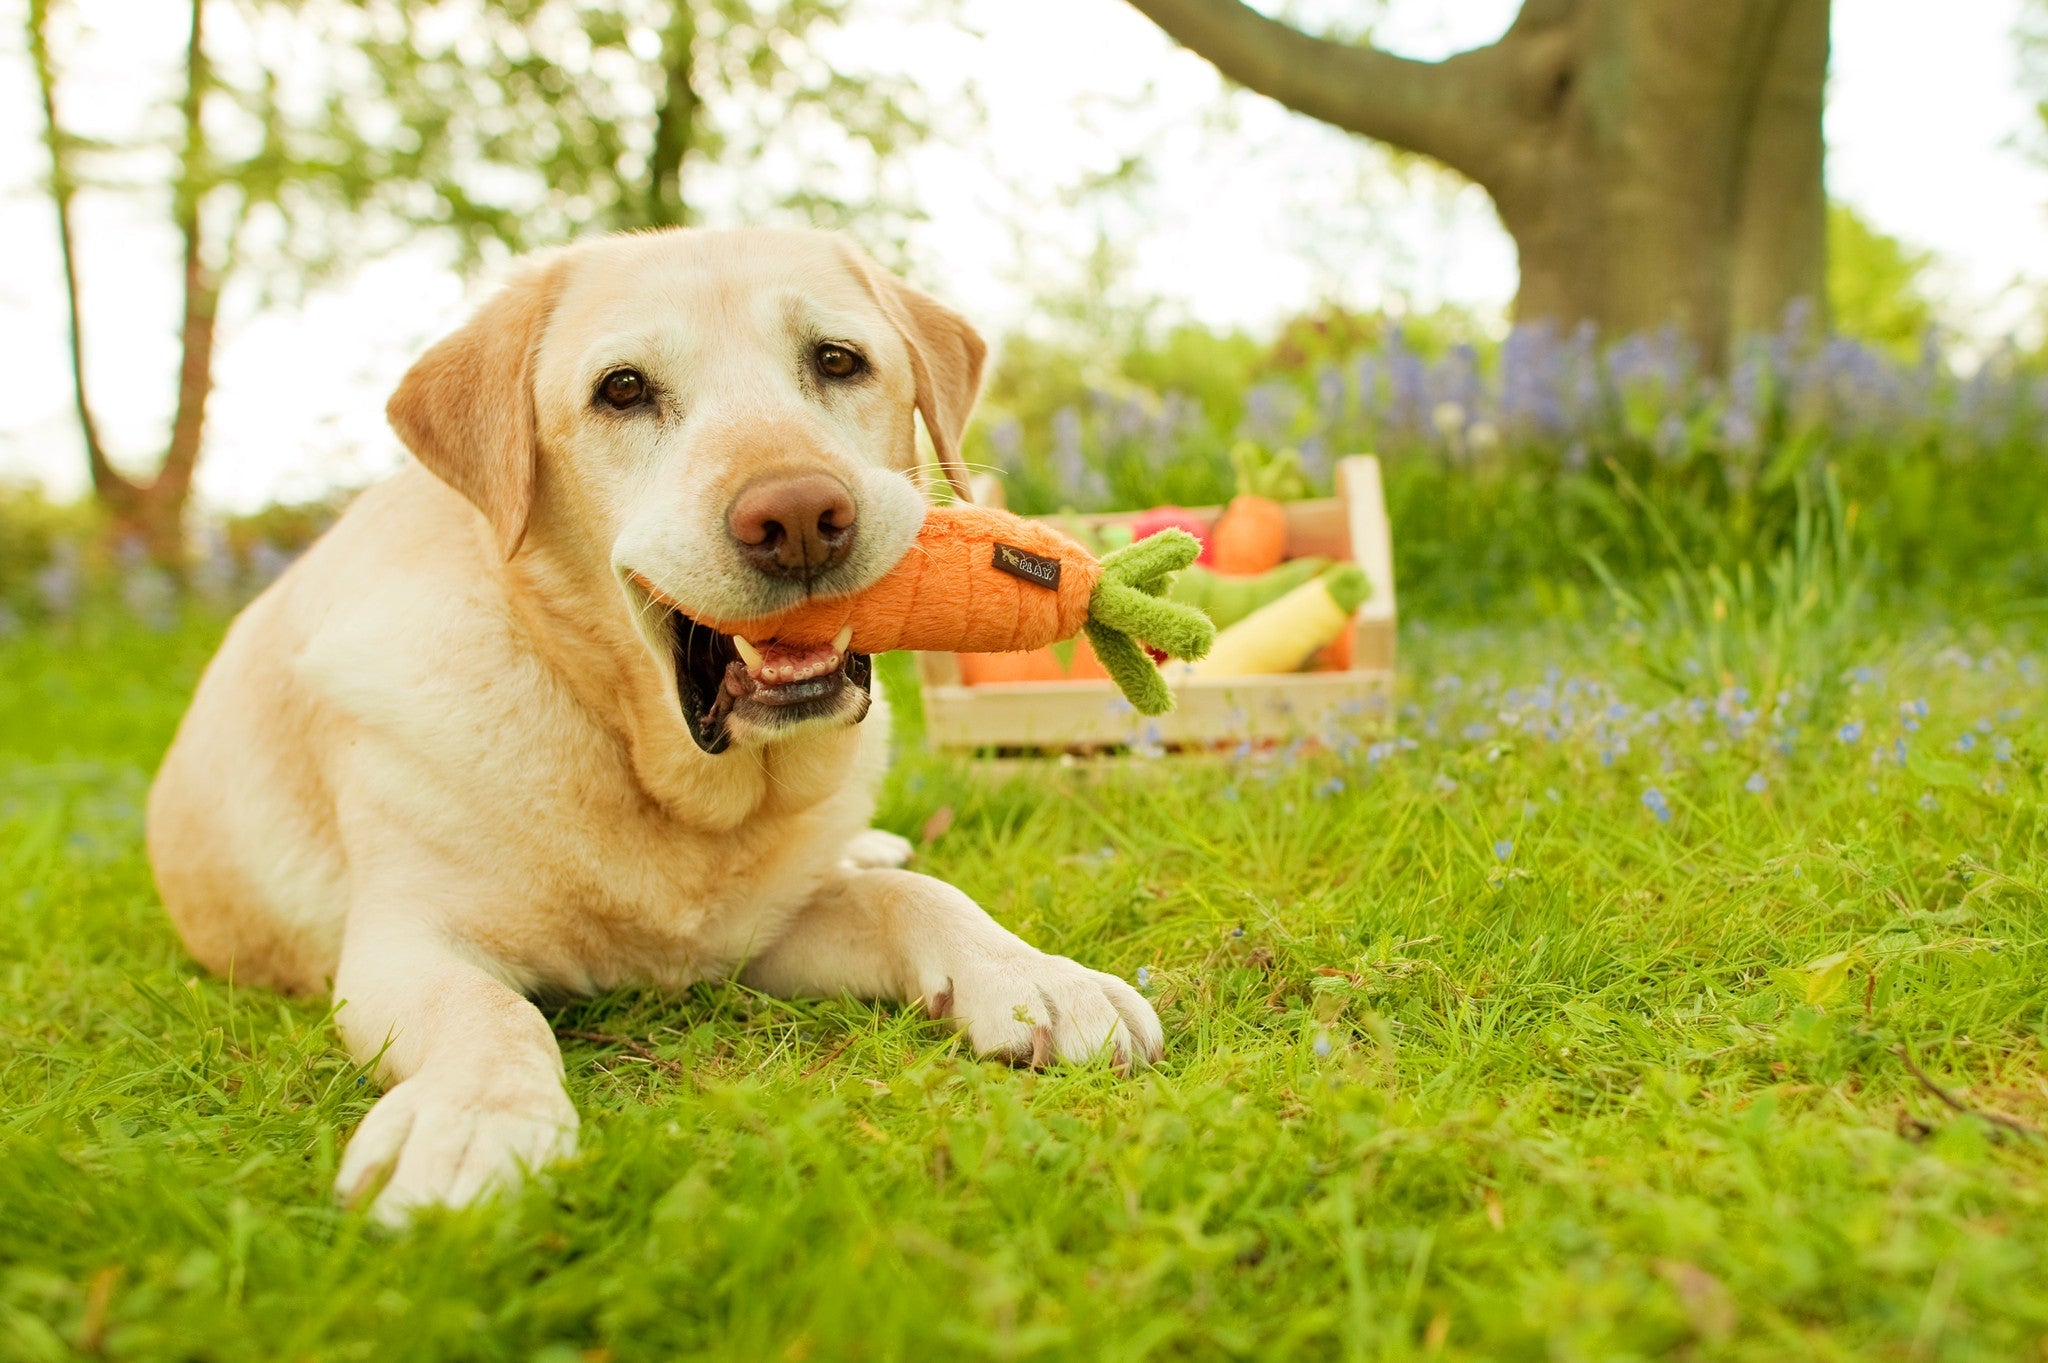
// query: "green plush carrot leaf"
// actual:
[[1129, 605]]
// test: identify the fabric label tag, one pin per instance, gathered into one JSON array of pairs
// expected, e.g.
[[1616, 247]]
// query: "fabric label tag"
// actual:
[[1031, 567]]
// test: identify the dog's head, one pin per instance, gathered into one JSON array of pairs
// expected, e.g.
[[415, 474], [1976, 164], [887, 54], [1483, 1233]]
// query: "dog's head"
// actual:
[[727, 416]]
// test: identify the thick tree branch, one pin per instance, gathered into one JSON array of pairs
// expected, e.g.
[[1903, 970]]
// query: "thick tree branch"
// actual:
[[1456, 110]]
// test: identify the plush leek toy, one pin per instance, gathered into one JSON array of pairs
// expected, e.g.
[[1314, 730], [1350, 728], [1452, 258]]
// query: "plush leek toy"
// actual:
[[978, 580], [1283, 635]]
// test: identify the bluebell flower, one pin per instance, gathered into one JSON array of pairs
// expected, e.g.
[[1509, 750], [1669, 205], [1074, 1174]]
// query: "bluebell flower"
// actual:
[[1653, 800], [1322, 1044], [1851, 732], [1503, 849], [1331, 392], [1144, 977], [1366, 379], [58, 582], [1739, 429], [151, 596], [267, 562], [1007, 436], [1755, 784], [1670, 441], [1966, 742], [1270, 409], [1069, 463]]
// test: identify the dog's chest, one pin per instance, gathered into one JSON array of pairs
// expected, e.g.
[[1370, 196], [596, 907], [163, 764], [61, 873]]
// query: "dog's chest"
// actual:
[[631, 894]]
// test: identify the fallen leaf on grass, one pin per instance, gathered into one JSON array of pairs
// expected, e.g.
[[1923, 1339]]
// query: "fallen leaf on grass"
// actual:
[[1709, 1307]]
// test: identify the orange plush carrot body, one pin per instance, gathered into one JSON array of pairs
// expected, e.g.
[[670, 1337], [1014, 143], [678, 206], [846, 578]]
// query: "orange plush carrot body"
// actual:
[[956, 591], [1251, 536], [978, 580], [1040, 664]]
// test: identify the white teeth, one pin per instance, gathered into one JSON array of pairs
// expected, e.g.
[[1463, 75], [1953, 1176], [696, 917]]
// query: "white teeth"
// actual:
[[842, 639], [748, 653]]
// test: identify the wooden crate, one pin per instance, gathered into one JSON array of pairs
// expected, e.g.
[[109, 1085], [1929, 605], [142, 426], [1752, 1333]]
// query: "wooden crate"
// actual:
[[1086, 715]]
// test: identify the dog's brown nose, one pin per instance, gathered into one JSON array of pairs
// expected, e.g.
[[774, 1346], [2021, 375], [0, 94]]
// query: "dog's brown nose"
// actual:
[[796, 526]]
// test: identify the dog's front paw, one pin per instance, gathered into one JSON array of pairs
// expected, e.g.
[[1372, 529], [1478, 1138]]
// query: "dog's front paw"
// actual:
[[876, 847], [1031, 1008], [433, 1142]]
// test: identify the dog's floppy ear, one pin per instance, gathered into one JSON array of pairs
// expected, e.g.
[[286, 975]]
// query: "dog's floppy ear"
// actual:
[[465, 408], [946, 355]]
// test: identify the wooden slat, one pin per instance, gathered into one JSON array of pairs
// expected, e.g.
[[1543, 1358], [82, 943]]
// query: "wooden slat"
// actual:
[[1207, 710], [1371, 543]]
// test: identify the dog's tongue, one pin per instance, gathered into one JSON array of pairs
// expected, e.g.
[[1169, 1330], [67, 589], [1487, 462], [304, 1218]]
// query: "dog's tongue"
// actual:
[[781, 664]]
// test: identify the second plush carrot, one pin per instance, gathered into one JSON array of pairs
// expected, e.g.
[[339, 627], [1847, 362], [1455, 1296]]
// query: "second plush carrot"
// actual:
[[978, 580]]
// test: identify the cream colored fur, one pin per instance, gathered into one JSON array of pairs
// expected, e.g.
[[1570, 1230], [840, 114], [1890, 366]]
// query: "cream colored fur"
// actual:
[[440, 765]]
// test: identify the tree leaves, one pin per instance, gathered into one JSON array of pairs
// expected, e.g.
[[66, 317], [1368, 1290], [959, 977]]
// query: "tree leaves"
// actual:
[[517, 123]]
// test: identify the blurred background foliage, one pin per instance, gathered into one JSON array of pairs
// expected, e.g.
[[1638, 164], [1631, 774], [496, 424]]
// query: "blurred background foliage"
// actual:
[[309, 136], [1519, 470], [1539, 466]]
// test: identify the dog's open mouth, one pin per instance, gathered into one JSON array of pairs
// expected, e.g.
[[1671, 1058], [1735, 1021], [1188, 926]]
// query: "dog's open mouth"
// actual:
[[727, 683]]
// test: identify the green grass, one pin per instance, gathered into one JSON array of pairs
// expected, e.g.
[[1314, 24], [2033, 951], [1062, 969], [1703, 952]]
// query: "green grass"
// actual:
[[1611, 1091]]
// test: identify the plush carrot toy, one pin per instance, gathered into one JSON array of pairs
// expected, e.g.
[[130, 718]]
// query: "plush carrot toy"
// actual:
[[978, 580], [1251, 535]]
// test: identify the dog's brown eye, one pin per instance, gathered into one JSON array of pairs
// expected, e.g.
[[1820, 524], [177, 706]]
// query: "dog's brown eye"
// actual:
[[837, 362], [624, 387]]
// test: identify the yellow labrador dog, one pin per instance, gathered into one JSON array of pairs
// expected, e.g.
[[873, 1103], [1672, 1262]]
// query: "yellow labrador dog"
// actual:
[[455, 757]]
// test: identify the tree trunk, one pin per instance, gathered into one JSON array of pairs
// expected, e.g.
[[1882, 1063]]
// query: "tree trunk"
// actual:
[[675, 122], [153, 511], [107, 483], [1656, 161], [161, 522]]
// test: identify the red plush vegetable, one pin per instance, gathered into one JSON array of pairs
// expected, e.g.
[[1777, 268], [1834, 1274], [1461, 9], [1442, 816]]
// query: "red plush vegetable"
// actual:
[[1172, 518]]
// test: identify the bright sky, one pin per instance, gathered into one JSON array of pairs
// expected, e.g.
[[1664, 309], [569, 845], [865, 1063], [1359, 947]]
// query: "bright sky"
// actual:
[[1250, 213]]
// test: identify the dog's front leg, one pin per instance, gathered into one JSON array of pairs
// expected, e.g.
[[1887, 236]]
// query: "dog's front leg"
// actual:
[[475, 1076], [898, 935]]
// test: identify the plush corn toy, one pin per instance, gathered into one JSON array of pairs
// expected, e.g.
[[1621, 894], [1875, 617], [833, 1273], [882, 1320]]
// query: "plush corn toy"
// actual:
[[978, 580]]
